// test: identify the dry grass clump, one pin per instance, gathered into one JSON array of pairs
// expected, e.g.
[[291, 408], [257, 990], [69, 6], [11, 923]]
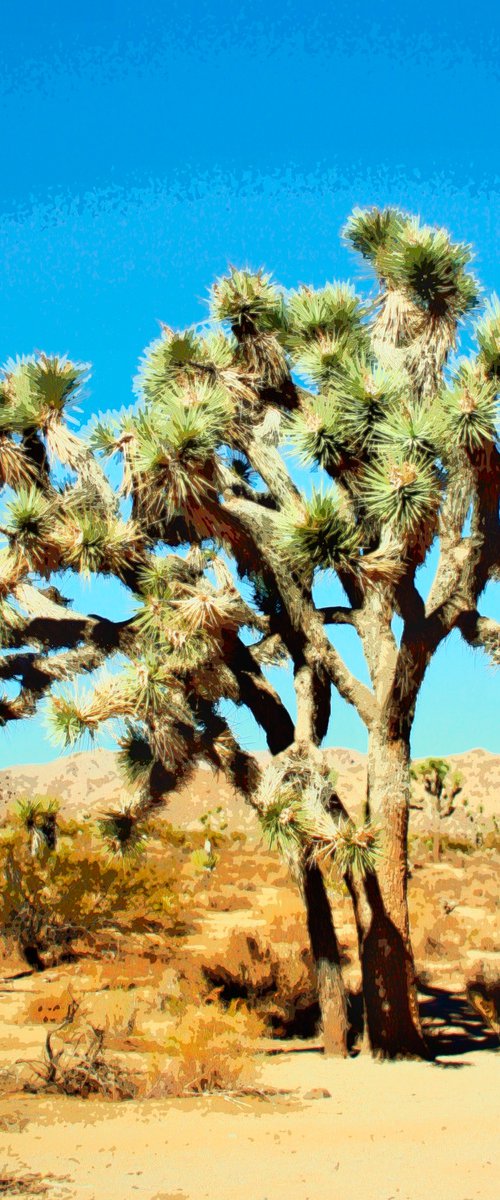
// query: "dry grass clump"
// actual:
[[441, 939], [227, 899], [129, 970], [271, 972], [75, 1064], [483, 992], [453, 911], [23, 1185], [115, 1012], [211, 1049]]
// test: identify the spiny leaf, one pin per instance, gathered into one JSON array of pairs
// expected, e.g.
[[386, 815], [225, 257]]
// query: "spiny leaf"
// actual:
[[321, 537], [332, 312], [432, 269], [249, 301], [364, 393], [38, 387], [488, 337], [123, 832], [135, 757], [371, 230], [402, 493], [166, 361], [410, 432], [318, 433], [469, 410]]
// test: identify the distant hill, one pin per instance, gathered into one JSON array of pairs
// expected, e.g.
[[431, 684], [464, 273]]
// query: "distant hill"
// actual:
[[86, 784]]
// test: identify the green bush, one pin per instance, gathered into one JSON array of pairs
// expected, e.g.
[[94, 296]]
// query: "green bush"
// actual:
[[77, 892]]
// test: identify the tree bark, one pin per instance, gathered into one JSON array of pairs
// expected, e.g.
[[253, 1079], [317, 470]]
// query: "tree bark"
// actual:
[[388, 968], [326, 955]]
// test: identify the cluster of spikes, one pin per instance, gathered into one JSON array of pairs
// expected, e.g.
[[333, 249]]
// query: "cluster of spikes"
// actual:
[[296, 818], [123, 832]]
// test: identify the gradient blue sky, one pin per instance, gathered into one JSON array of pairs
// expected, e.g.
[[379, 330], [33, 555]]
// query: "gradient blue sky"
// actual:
[[145, 146]]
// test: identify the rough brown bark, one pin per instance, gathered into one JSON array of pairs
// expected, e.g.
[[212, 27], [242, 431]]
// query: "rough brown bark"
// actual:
[[326, 955], [389, 981]]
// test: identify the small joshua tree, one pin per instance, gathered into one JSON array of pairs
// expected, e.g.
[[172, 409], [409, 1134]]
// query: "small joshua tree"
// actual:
[[405, 439], [439, 783]]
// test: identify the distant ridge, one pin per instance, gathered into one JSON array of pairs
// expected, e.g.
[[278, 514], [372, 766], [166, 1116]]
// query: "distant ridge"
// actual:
[[89, 782]]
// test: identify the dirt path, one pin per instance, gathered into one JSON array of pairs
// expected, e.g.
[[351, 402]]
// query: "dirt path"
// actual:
[[405, 1131]]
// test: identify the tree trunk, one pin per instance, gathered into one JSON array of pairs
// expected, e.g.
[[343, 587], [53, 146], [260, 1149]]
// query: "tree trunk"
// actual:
[[326, 955], [389, 984]]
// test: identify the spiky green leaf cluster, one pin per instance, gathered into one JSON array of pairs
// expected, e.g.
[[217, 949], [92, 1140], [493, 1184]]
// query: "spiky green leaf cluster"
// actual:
[[322, 537], [93, 543], [166, 361], [432, 269], [411, 432], [371, 230], [469, 410], [123, 833], [403, 493], [29, 525], [419, 260], [365, 393], [332, 318], [68, 723], [248, 301], [175, 444], [488, 337], [135, 756], [280, 825], [33, 389], [356, 850]]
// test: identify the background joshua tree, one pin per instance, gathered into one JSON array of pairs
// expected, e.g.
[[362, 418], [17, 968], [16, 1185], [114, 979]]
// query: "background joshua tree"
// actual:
[[440, 784], [406, 444]]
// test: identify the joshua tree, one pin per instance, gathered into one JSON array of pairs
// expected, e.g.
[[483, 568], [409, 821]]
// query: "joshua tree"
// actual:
[[439, 782], [405, 441], [435, 775]]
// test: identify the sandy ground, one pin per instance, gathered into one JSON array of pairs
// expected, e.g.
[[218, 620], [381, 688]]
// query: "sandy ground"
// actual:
[[403, 1131]]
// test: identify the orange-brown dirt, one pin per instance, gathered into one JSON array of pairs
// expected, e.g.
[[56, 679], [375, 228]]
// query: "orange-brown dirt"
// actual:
[[403, 1131]]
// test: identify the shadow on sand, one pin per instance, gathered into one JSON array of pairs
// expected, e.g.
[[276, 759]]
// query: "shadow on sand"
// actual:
[[452, 1025]]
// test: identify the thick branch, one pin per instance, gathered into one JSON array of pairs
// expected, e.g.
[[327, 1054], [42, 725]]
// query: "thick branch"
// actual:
[[482, 632], [36, 674], [338, 615]]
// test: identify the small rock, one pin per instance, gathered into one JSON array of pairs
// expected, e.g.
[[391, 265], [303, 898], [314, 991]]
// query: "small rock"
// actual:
[[317, 1094]]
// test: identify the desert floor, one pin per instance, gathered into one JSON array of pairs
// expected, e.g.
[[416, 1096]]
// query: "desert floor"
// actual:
[[404, 1131], [318, 1128]]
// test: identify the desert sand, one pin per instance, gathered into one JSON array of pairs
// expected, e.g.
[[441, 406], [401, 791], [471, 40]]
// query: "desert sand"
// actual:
[[404, 1131]]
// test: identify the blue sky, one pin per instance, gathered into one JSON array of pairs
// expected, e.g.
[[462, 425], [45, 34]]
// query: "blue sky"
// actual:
[[146, 146]]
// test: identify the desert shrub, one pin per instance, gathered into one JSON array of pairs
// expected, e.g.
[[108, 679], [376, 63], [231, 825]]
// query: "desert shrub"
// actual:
[[38, 817], [115, 1012], [77, 892], [23, 1185], [271, 972], [483, 992], [75, 1064], [204, 859], [211, 1049], [127, 971]]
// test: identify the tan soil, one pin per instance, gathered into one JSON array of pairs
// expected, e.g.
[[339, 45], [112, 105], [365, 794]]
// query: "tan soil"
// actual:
[[405, 1131]]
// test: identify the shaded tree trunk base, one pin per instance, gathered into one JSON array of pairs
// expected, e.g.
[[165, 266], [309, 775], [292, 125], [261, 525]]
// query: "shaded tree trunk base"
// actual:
[[326, 954], [390, 995]]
